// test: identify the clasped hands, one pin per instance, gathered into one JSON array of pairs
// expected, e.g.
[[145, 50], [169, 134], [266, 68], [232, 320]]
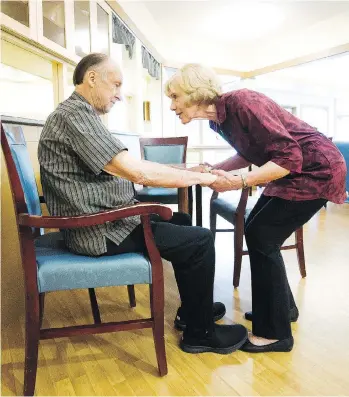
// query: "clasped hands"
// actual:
[[225, 180]]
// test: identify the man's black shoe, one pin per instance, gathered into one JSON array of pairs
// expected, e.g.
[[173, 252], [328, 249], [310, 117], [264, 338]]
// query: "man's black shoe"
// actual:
[[218, 312], [224, 339], [293, 315], [284, 345]]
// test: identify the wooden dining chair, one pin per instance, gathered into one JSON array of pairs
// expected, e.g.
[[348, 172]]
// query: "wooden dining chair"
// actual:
[[172, 150], [48, 266], [236, 212]]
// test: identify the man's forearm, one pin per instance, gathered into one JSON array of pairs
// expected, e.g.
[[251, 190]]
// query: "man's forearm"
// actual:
[[154, 174], [167, 176], [233, 163]]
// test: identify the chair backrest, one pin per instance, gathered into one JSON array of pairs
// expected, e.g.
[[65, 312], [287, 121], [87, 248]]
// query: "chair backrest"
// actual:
[[343, 147], [164, 150], [20, 171]]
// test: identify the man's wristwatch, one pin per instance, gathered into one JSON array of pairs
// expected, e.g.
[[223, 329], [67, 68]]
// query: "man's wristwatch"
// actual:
[[244, 183]]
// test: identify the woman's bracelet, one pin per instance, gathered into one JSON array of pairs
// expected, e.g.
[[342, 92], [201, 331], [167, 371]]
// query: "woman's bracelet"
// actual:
[[244, 182]]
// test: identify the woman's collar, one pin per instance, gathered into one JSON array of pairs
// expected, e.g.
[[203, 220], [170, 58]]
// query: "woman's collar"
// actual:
[[221, 111]]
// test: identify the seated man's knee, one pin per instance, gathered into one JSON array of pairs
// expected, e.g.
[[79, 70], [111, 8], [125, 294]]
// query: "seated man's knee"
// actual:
[[181, 218], [205, 236]]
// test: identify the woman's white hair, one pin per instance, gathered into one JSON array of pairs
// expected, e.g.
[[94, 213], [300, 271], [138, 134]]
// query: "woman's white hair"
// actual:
[[200, 84]]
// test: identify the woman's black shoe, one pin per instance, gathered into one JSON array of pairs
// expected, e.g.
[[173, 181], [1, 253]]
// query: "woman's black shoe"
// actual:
[[224, 339], [293, 315], [284, 345], [218, 312]]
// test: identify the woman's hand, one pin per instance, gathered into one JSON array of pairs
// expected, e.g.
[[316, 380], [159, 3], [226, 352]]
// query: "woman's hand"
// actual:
[[226, 182], [203, 168]]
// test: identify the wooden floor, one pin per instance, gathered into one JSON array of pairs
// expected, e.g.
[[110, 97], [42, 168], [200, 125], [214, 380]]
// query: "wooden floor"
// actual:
[[124, 363]]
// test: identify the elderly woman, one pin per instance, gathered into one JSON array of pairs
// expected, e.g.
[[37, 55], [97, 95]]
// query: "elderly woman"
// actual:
[[302, 168]]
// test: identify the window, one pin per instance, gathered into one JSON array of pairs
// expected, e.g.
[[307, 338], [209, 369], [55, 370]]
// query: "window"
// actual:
[[342, 131], [102, 42], [30, 96], [216, 156], [27, 80], [316, 117], [291, 109], [210, 137], [199, 133], [54, 21], [18, 10], [82, 28], [69, 86], [191, 130]]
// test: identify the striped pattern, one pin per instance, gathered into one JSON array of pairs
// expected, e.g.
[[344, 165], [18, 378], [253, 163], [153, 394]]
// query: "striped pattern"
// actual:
[[73, 149]]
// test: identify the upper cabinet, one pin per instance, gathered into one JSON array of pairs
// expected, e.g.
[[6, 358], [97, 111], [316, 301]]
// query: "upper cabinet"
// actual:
[[53, 20], [71, 29], [102, 44], [68, 30], [17, 10], [82, 23], [20, 17]]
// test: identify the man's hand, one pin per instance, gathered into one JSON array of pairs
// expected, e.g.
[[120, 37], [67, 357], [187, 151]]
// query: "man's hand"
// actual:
[[225, 181], [203, 168]]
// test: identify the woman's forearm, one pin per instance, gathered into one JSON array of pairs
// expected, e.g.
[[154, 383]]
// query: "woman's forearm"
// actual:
[[233, 163], [267, 173]]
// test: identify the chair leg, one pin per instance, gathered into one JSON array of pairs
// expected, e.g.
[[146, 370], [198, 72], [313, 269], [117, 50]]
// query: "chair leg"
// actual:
[[131, 295], [42, 306], [32, 336], [94, 306], [190, 202], [157, 312], [300, 252], [213, 224], [238, 248]]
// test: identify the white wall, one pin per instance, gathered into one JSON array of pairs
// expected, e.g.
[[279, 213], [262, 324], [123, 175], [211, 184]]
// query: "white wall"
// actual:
[[152, 92]]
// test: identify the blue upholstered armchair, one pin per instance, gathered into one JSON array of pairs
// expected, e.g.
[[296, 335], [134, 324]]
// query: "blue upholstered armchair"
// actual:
[[344, 149], [49, 266]]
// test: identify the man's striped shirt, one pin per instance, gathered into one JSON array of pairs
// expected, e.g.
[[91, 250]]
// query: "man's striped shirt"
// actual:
[[73, 149]]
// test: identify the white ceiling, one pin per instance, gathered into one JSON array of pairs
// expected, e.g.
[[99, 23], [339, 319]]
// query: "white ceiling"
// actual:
[[239, 35]]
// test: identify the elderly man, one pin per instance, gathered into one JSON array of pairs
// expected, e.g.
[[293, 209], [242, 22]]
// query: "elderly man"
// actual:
[[84, 169]]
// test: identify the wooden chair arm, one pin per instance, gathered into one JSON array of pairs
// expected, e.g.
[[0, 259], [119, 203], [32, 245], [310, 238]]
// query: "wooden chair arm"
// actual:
[[99, 218]]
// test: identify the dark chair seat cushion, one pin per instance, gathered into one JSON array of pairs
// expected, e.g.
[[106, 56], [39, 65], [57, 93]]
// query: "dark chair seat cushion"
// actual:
[[158, 194], [227, 208]]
